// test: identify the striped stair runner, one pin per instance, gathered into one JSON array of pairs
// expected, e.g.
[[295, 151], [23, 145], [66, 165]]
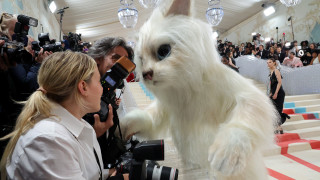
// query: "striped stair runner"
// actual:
[[296, 154]]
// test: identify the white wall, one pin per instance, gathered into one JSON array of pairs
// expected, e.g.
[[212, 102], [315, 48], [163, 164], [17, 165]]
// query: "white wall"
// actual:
[[37, 9], [306, 24]]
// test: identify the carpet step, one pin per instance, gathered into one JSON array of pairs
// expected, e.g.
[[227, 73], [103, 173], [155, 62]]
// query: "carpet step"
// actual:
[[300, 165], [306, 132], [301, 103], [300, 124], [302, 97]]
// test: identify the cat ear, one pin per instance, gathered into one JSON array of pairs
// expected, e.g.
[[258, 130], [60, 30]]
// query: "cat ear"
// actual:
[[180, 7]]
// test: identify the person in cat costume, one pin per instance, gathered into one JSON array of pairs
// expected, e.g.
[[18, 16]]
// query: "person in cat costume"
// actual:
[[218, 120]]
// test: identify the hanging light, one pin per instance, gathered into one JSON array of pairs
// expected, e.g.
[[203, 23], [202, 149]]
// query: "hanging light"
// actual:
[[214, 12], [149, 3], [127, 14], [290, 3]]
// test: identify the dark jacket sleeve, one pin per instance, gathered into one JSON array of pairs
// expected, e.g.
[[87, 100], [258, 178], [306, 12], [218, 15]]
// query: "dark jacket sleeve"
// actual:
[[26, 75]]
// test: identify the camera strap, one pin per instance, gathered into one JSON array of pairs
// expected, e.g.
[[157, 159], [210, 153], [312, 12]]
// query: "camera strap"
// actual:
[[97, 159]]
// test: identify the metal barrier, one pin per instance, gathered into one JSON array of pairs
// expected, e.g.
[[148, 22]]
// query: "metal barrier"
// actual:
[[296, 81]]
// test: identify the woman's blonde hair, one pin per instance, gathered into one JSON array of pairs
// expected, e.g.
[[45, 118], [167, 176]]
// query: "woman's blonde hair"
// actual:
[[7, 24], [58, 77]]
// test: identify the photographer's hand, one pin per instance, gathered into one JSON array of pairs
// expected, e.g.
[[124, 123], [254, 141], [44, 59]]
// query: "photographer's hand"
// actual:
[[102, 127], [2, 43], [115, 176], [42, 55], [118, 101]]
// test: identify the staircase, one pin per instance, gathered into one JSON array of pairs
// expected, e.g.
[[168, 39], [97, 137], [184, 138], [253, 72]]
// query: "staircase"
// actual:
[[296, 154]]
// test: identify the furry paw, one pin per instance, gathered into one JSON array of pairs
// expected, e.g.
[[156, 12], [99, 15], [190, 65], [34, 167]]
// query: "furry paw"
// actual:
[[137, 122], [228, 157]]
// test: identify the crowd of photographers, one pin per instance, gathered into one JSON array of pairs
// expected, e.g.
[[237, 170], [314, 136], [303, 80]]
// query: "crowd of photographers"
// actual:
[[20, 60], [289, 54]]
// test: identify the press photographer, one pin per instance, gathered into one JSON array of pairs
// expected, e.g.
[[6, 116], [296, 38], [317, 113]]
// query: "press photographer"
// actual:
[[18, 67], [107, 52], [46, 44], [74, 41]]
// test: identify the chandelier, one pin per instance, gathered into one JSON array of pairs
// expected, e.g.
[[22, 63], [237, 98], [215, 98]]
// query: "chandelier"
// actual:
[[289, 3], [149, 3], [214, 12], [127, 14]]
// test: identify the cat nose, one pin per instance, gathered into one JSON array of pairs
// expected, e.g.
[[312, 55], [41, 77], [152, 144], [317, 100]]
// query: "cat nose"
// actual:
[[148, 75]]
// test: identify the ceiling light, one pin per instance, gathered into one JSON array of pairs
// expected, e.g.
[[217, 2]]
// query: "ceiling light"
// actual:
[[127, 14], [214, 12], [270, 10], [52, 6], [215, 34], [289, 3]]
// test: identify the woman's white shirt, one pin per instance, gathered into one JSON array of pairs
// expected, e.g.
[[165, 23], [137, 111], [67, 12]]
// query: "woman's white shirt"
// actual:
[[59, 147]]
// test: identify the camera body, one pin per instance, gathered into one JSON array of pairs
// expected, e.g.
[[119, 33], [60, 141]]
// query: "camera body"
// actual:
[[12, 48], [110, 81], [141, 165], [46, 44], [74, 40], [22, 27], [15, 49]]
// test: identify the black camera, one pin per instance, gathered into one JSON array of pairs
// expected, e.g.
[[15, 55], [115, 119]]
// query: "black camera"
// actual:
[[15, 49], [22, 27], [110, 81], [12, 48], [74, 40], [46, 44], [141, 165], [114, 80]]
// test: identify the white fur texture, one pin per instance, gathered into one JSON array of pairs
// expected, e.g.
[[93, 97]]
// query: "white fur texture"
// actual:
[[217, 118]]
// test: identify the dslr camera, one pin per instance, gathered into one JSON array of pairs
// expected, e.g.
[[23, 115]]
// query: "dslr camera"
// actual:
[[110, 81], [15, 48], [46, 44], [141, 165], [74, 40]]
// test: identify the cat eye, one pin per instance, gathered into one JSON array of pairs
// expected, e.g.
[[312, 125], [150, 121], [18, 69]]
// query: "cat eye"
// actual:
[[163, 51]]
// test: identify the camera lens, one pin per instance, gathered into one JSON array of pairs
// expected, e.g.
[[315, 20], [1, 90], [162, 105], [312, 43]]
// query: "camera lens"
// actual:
[[156, 172]]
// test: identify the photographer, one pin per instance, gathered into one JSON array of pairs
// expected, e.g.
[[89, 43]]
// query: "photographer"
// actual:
[[106, 52], [66, 43], [25, 74], [22, 64], [294, 48], [257, 40], [18, 70]]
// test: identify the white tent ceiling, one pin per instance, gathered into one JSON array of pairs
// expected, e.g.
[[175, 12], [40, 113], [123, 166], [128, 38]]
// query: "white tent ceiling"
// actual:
[[98, 18]]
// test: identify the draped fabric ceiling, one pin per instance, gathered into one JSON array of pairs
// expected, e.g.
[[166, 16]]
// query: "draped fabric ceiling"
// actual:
[[98, 18]]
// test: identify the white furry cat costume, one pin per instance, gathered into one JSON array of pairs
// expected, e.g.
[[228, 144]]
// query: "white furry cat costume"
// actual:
[[217, 118]]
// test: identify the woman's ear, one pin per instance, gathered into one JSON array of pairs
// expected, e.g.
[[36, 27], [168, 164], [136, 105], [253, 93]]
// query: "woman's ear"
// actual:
[[82, 87]]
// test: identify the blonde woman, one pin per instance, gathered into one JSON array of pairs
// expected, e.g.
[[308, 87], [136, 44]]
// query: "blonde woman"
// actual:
[[50, 139]]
